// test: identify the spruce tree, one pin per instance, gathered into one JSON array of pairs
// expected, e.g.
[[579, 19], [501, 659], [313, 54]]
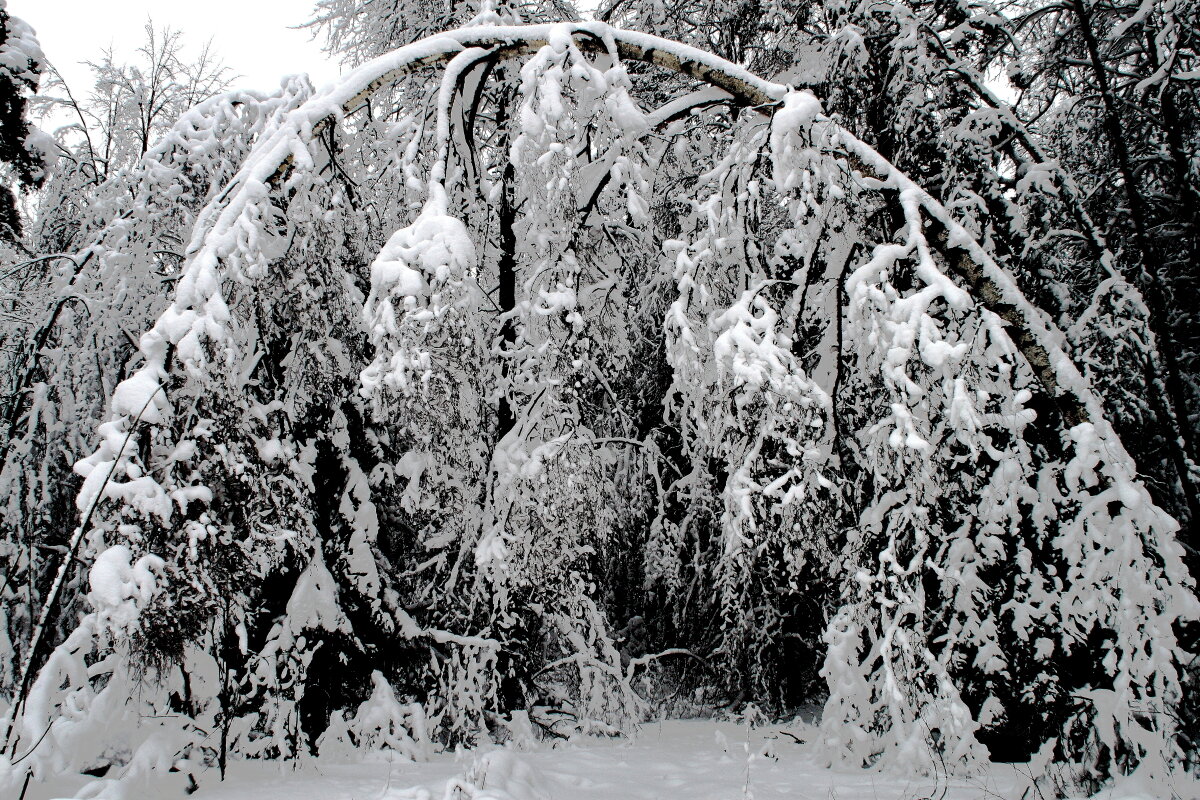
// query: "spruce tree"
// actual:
[[24, 150]]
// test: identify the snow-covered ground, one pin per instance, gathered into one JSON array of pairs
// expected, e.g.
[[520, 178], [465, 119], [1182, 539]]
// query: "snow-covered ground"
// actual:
[[679, 760], [673, 760], [692, 759]]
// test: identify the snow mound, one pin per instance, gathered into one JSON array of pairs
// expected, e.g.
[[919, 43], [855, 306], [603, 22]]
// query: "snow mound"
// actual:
[[20, 54], [405, 278], [120, 586]]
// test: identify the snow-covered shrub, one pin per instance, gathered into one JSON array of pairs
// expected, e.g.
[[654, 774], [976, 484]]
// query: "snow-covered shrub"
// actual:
[[381, 725]]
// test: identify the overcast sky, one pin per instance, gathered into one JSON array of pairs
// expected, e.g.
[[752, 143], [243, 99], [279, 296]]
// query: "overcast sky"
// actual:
[[252, 36]]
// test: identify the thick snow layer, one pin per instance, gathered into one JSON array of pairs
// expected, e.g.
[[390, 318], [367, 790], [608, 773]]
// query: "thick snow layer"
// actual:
[[21, 55], [675, 760], [314, 603], [119, 585]]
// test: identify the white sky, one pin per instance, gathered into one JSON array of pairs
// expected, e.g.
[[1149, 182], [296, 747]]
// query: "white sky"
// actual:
[[251, 36]]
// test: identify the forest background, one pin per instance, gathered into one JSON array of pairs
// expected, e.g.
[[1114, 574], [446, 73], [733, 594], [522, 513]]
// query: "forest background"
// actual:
[[789, 354]]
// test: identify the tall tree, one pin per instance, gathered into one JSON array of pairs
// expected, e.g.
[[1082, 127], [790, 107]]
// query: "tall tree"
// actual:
[[129, 107]]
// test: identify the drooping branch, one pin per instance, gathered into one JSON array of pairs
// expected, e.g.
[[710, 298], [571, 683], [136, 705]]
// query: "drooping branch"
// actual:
[[991, 286], [509, 42]]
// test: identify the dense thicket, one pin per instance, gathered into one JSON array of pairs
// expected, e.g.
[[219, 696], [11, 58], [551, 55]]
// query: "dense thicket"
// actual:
[[552, 382]]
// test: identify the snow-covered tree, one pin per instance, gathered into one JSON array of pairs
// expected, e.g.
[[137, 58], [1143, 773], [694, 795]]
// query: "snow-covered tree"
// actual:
[[69, 329], [480, 341], [25, 151], [130, 106], [73, 352], [359, 30], [1113, 88]]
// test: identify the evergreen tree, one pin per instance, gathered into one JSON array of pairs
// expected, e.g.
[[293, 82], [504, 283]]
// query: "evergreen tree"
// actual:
[[24, 150]]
